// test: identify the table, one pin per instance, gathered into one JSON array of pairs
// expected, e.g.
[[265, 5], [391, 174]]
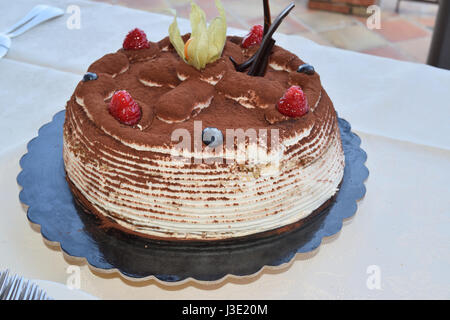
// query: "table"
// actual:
[[400, 110]]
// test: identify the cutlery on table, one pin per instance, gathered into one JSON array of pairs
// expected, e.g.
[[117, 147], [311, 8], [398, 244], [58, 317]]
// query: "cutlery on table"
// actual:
[[17, 288], [37, 15]]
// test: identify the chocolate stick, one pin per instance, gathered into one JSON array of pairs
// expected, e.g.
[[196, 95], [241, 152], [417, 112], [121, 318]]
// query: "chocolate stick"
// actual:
[[265, 61], [267, 18], [243, 66], [260, 64], [267, 23], [259, 68]]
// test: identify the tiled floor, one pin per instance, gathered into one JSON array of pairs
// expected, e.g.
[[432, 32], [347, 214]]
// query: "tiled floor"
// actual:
[[403, 36]]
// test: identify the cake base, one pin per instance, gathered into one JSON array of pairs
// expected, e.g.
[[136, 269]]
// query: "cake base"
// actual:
[[53, 207]]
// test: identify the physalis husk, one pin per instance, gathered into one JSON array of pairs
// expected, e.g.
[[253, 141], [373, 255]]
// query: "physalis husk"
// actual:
[[206, 43]]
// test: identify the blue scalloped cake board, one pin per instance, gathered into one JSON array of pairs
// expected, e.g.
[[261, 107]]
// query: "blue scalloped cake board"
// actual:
[[51, 205]]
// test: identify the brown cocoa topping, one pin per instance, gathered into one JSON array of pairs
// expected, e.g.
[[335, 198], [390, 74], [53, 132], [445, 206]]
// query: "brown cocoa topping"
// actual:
[[111, 63], [178, 104], [142, 54], [160, 72]]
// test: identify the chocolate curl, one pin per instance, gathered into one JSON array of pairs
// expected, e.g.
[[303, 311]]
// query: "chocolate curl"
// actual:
[[260, 63], [264, 63], [267, 23], [243, 66], [267, 18]]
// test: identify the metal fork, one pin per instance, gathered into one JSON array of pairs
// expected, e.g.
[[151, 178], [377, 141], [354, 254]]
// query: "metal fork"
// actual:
[[18, 288], [37, 15]]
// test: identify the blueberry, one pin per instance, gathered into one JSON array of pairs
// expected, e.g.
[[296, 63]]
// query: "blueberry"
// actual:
[[306, 68], [212, 137], [90, 76]]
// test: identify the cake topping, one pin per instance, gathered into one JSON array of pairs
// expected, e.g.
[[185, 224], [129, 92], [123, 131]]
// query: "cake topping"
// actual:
[[294, 103], [310, 85], [184, 101], [282, 59], [111, 63], [136, 39], [259, 61], [306, 68], [186, 53], [267, 16], [206, 43], [212, 137], [254, 37], [168, 87], [124, 108], [160, 72], [104, 87], [89, 76], [272, 115], [250, 92], [145, 54], [212, 74]]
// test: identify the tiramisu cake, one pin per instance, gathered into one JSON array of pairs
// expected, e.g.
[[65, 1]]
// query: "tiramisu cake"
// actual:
[[202, 136]]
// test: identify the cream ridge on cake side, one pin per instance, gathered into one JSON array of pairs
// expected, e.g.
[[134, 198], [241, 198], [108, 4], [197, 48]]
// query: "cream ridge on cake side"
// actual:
[[204, 136]]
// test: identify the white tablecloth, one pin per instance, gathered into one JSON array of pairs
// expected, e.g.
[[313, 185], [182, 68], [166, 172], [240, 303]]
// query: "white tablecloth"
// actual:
[[400, 110]]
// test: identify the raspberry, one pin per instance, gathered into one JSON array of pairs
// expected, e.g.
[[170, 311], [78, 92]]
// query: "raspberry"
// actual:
[[135, 39], [254, 37], [124, 108], [293, 103]]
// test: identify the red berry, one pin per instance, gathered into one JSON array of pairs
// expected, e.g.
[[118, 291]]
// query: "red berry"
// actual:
[[293, 103], [135, 39], [254, 37], [124, 108]]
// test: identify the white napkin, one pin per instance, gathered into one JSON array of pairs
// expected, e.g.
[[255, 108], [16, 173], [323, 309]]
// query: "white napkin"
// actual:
[[29, 97]]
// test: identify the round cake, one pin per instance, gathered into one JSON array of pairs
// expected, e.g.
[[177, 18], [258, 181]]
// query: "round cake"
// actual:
[[205, 154]]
